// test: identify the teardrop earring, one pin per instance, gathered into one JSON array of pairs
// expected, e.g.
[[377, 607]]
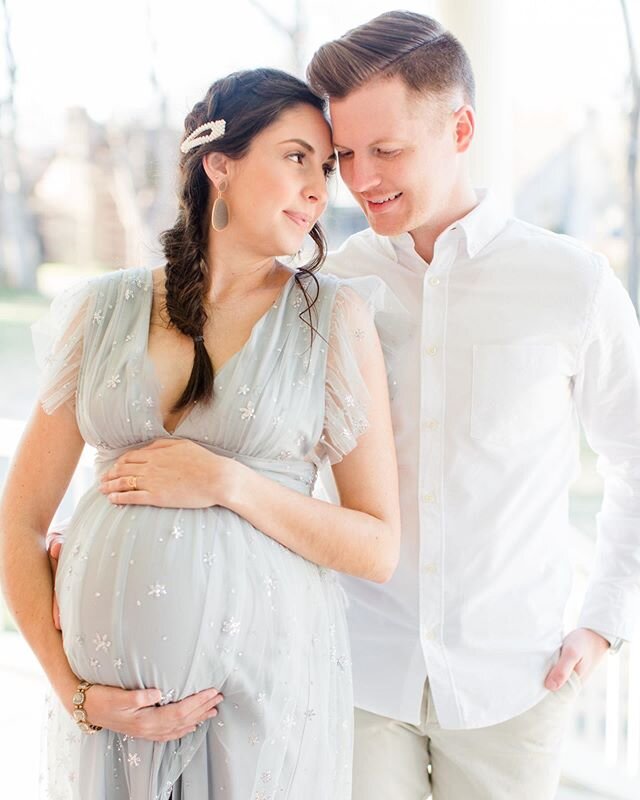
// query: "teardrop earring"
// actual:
[[220, 210]]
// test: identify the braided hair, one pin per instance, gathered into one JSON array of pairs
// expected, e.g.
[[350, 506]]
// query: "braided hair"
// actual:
[[249, 101]]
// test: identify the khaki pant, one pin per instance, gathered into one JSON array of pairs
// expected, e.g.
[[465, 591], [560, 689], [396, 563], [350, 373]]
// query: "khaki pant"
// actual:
[[519, 759]]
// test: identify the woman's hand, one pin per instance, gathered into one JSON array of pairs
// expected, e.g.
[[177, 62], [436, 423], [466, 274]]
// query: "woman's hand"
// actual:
[[171, 473], [134, 712]]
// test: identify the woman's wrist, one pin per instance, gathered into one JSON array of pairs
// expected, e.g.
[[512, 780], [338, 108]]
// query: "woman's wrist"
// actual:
[[65, 687], [234, 485], [208, 480]]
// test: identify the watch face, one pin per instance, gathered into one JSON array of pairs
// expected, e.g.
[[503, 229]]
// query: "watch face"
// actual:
[[78, 699]]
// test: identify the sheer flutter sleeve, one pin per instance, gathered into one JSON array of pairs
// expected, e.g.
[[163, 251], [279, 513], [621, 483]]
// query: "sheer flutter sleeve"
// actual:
[[365, 316], [58, 340]]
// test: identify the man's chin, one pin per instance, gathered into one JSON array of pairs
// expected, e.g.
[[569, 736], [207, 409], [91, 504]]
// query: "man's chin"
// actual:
[[387, 226]]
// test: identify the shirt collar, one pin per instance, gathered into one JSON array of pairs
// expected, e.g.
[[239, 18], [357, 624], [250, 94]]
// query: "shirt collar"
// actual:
[[483, 223], [477, 228]]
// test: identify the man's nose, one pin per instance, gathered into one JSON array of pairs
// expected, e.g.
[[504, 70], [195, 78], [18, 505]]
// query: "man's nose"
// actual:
[[359, 174]]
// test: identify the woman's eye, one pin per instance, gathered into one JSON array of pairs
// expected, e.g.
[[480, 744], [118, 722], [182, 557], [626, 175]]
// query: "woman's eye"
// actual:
[[298, 158], [342, 154], [387, 153], [329, 170]]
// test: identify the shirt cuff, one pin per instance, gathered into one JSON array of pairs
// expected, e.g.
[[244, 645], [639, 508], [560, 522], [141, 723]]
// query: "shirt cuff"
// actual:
[[609, 611]]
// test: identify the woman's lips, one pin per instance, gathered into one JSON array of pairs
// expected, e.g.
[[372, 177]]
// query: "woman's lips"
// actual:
[[302, 220]]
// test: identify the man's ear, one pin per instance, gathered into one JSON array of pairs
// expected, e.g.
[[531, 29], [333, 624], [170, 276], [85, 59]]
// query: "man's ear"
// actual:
[[216, 167], [465, 127]]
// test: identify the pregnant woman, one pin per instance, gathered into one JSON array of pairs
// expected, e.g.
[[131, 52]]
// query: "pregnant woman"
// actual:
[[251, 376]]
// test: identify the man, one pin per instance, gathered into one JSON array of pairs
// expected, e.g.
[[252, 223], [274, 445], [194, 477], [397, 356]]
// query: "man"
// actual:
[[463, 681]]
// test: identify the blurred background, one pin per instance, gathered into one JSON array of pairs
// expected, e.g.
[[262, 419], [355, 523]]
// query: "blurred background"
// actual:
[[92, 98]]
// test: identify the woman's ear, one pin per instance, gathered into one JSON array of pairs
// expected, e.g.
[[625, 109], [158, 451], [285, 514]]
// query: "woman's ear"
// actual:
[[216, 167]]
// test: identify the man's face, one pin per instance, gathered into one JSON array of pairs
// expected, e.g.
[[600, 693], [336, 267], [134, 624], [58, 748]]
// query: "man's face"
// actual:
[[399, 154]]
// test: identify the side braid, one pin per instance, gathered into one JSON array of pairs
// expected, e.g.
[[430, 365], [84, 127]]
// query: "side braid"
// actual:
[[187, 281], [249, 102]]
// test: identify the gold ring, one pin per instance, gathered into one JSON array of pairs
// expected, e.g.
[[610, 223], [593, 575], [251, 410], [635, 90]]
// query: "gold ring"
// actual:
[[133, 482]]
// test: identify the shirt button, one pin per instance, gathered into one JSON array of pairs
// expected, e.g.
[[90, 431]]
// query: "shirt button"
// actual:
[[430, 568], [434, 281], [428, 498], [430, 424], [430, 632], [431, 351]]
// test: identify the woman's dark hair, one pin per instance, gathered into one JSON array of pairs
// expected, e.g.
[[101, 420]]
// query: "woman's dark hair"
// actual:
[[249, 102]]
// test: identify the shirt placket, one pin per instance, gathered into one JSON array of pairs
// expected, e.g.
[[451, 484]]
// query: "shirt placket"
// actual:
[[432, 421]]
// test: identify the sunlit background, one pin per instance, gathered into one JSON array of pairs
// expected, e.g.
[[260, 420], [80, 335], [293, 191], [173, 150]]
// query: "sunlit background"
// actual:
[[92, 98]]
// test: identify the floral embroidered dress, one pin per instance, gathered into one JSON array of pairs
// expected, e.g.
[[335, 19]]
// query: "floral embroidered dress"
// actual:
[[186, 599]]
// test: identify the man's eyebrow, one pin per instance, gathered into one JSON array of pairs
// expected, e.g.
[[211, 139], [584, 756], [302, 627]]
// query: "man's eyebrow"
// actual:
[[371, 144]]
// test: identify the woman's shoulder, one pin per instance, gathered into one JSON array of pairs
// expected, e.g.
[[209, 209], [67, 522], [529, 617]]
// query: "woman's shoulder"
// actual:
[[131, 278], [343, 293], [96, 294], [118, 289], [123, 284], [351, 290], [327, 284], [316, 288], [110, 284], [342, 296]]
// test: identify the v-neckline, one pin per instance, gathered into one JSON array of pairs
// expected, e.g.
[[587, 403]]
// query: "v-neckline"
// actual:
[[232, 358]]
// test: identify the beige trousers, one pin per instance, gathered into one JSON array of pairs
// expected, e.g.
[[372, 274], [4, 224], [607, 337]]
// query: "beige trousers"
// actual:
[[519, 759]]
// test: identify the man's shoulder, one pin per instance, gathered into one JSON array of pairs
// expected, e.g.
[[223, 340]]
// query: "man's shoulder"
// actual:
[[358, 254], [365, 239], [549, 252], [538, 242]]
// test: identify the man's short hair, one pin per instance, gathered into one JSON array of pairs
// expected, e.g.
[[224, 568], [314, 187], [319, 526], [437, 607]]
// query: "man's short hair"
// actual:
[[428, 58]]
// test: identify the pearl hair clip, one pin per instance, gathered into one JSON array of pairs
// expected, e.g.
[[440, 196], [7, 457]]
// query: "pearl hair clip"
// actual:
[[195, 138]]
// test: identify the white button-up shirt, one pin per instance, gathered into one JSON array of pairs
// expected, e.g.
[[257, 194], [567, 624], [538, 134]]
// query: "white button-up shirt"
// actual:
[[518, 334]]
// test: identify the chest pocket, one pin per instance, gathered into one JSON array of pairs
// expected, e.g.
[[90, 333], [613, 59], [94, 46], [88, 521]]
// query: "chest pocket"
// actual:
[[518, 391]]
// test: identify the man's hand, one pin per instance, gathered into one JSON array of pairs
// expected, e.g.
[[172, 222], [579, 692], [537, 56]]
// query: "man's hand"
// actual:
[[134, 712], [54, 545], [581, 651]]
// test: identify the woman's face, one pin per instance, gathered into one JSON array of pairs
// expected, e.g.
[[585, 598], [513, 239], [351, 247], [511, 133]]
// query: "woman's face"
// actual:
[[278, 190]]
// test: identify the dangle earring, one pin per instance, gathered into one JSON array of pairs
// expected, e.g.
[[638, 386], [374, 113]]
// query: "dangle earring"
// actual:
[[220, 211]]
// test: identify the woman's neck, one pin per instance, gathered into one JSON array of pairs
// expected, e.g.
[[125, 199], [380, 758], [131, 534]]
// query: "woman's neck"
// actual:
[[235, 272]]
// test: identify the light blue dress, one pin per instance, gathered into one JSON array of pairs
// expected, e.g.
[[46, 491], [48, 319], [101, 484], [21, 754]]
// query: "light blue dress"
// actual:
[[185, 599]]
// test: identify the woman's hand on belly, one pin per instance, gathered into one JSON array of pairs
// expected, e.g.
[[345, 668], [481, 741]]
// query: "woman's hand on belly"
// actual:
[[170, 473], [134, 712]]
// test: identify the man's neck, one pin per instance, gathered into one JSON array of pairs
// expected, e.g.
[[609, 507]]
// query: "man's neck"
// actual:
[[459, 205]]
